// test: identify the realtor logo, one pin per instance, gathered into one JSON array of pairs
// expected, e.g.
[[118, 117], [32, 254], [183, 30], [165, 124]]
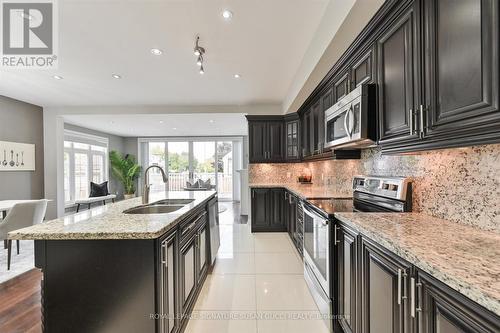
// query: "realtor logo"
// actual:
[[28, 34]]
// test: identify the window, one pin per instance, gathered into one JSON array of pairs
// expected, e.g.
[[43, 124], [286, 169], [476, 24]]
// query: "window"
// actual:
[[85, 160]]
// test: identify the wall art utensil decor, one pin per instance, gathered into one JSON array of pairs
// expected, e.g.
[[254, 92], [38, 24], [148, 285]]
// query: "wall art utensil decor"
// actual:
[[17, 156]]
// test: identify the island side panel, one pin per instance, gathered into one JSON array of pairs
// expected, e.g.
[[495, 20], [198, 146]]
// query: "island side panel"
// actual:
[[97, 285]]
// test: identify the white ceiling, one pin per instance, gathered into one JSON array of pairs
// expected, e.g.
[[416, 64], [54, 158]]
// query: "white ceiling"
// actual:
[[135, 125], [264, 42]]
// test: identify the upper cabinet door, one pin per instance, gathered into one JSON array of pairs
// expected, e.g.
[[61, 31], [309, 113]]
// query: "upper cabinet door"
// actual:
[[292, 140], [316, 127], [461, 64], [276, 141], [257, 141], [398, 68], [362, 70], [341, 86]]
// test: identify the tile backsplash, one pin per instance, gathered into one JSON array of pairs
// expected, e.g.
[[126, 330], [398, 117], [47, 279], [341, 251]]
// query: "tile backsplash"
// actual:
[[462, 184]]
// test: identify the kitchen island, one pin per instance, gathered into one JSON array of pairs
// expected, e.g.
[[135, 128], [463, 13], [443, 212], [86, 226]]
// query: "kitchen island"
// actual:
[[108, 271]]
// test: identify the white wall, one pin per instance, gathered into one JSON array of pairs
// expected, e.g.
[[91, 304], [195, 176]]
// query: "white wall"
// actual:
[[341, 24]]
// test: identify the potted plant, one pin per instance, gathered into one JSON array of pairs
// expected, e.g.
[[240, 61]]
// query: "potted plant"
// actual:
[[126, 170]]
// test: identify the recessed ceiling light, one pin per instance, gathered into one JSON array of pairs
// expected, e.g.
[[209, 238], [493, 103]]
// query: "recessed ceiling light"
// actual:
[[227, 14], [157, 52], [211, 121], [174, 128], [237, 76], [57, 77], [116, 76], [161, 121]]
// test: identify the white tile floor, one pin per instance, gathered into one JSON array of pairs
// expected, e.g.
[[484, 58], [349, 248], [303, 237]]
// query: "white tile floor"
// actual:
[[257, 285]]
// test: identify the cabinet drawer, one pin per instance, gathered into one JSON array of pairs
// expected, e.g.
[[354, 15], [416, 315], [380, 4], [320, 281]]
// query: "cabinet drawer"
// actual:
[[189, 227]]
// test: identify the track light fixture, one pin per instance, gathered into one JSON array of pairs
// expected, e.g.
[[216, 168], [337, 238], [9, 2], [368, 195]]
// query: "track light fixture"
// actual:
[[199, 51]]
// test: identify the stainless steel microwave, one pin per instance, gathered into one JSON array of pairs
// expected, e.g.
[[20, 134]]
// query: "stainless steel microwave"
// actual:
[[351, 122]]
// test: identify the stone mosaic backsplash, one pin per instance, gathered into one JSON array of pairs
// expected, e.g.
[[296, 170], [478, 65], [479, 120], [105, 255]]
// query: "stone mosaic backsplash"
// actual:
[[461, 184]]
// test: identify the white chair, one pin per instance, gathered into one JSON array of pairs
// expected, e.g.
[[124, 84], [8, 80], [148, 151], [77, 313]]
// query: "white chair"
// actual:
[[22, 215]]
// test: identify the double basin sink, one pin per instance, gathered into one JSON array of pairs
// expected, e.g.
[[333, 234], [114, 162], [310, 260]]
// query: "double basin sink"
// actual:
[[159, 207]]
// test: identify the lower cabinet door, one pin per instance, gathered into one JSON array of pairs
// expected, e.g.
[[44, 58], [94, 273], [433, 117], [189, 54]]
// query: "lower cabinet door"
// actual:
[[439, 309], [260, 209], [201, 247], [168, 287], [384, 290], [188, 273], [347, 280], [277, 221]]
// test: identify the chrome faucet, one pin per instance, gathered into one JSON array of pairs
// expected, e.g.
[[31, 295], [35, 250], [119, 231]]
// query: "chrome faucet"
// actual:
[[147, 185]]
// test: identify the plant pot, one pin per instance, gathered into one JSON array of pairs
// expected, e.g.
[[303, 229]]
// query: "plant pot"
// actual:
[[129, 196]]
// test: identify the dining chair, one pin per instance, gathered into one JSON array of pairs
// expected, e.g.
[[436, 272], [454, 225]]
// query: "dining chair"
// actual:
[[21, 215]]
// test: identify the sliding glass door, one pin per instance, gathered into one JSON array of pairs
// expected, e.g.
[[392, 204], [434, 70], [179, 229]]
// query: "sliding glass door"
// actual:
[[178, 165], [203, 165], [187, 161]]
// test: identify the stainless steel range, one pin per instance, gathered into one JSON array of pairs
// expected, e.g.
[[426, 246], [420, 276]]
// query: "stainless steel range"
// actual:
[[370, 194]]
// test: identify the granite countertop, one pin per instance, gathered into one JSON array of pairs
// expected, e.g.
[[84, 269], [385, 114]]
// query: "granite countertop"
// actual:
[[307, 191], [465, 258], [109, 221]]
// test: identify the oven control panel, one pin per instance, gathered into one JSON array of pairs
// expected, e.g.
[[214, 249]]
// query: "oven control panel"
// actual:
[[389, 187]]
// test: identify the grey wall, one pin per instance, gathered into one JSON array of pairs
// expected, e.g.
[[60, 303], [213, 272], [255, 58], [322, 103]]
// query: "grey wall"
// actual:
[[22, 122], [115, 143]]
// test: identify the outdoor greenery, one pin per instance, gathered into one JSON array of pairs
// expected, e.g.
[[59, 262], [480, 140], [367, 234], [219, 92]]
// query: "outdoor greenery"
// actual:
[[125, 169], [180, 162]]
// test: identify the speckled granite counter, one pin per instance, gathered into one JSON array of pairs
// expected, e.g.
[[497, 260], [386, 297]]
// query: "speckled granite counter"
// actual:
[[109, 221], [307, 191], [465, 258]]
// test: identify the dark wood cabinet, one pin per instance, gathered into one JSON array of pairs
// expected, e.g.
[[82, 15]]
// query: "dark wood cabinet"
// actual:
[[275, 140], [306, 125], [268, 209], [168, 291], [347, 279], [291, 214], [439, 309], [292, 139], [257, 145], [193, 262], [363, 69], [188, 278], [266, 139], [398, 73], [341, 85], [461, 66], [384, 290], [260, 208]]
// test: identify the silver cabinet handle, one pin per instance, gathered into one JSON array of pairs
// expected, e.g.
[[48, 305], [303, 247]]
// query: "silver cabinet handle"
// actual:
[[401, 285], [413, 307], [419, 307], [164, 248], [422, 121], [335, 237], [411, 121], [412, 297]]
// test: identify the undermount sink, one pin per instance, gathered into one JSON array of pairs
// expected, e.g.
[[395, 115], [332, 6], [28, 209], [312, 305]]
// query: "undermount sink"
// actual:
[[173, 202], [153, 209]]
